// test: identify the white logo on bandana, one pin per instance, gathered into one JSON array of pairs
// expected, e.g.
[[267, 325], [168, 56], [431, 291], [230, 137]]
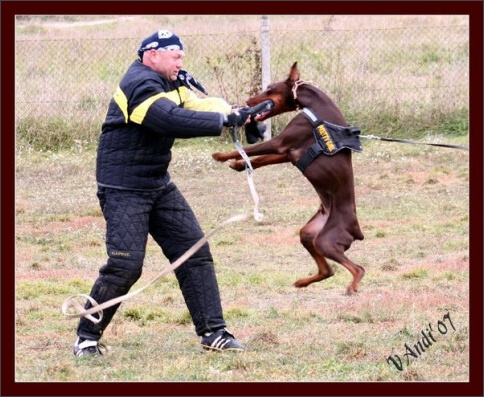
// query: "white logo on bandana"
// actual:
[[153, 44], [164, 34]]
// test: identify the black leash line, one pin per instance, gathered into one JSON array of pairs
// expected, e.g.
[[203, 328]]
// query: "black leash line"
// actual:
[[413, 142]]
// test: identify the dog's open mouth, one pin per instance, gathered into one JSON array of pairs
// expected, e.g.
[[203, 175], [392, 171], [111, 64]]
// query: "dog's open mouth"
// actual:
[[262, 110], [262, 116]]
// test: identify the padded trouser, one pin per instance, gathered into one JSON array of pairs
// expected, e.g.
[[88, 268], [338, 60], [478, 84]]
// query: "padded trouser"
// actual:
[[165, 215]]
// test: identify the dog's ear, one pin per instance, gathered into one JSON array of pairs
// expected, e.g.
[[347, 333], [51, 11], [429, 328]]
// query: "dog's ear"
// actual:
[[294, 73]]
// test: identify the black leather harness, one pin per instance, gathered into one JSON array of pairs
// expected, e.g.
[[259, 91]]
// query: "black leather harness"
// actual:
[[330, 139]]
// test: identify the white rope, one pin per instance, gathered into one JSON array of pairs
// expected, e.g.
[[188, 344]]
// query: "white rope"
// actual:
[[71, 302], [258, 216], [296, 86]]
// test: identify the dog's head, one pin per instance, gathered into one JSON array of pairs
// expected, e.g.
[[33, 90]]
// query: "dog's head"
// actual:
[[280, 93]]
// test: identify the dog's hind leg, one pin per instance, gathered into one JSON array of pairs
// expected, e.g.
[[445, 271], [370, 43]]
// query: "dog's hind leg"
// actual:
[[357, 271], [334, 250], [308, 235]]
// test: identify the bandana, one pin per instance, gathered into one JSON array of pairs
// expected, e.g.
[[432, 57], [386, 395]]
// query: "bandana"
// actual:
[[162, 40]]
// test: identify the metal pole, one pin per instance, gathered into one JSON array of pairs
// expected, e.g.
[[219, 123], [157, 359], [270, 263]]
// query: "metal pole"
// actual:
[[266, 65]]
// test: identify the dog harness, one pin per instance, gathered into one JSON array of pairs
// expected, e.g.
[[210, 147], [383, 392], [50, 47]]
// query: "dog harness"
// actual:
[[330, 139]]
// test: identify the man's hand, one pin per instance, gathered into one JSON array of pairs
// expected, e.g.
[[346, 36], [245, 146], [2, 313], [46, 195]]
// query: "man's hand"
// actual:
[[239, 117], [254, 131]]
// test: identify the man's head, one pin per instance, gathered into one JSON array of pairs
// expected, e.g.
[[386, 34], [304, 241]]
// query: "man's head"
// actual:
[[163, 52]]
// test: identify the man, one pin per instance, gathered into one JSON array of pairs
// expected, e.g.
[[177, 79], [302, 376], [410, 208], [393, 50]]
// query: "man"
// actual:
[[153, 105]]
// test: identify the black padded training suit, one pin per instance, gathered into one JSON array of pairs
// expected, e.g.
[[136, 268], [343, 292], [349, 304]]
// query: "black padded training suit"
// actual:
[[138, 199]]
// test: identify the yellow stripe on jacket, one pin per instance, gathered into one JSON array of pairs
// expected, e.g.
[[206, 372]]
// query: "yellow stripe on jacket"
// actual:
[[184, 95]]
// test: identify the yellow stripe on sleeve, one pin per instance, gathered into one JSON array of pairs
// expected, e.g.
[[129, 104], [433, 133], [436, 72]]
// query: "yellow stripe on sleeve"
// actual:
[[207, 104], [122, 102], [139, 113]]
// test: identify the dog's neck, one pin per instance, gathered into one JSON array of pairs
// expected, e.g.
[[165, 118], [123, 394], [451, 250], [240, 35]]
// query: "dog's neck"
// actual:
[[295, 86]]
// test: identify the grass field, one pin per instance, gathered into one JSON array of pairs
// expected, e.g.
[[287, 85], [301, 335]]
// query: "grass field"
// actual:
[[413, 206]]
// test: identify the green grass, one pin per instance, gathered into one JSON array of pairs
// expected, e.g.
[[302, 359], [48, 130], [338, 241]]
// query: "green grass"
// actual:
[[413, 209]]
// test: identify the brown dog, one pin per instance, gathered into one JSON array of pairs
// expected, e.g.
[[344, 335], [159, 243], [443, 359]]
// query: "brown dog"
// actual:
[[334, 227]]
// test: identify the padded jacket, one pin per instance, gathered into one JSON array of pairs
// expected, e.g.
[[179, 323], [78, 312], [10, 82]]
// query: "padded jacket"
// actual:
[[145, 115]]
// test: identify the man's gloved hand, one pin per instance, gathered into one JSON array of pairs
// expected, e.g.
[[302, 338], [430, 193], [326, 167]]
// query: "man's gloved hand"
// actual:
[[254, 131], [238, 117]]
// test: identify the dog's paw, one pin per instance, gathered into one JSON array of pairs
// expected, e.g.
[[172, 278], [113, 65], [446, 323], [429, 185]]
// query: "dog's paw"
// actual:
[[217, 156], [351, 290], [301, 283], [238, 165]]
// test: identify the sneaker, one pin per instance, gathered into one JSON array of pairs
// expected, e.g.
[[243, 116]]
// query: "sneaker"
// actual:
[[87, 347], [221, 340]]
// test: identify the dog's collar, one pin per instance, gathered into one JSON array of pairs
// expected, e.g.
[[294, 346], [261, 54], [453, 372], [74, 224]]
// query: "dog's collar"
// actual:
[[311, 116], [294, 90]]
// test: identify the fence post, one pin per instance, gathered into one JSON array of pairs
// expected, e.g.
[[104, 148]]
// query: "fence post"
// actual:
[[266, 64]]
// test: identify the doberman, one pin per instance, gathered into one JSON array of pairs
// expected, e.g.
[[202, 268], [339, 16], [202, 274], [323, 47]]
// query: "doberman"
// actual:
[[325, 162]]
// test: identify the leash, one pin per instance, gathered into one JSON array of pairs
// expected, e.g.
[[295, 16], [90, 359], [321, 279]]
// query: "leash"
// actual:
[[71, 302], [413, 142], [263, 106], [258, 216], [301, 82]]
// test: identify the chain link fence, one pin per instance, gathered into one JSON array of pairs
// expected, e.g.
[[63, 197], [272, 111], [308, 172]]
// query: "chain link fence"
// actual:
[[381, 78]]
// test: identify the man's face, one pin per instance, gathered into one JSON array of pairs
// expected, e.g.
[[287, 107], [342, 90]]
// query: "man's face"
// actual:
[[167, 63]]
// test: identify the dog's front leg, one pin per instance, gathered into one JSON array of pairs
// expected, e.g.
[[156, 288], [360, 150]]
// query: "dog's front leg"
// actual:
[[222, 157], [268, 147], [261, 161]]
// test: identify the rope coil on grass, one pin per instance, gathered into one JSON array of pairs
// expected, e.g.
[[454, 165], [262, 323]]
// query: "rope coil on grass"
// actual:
[[71, 302]]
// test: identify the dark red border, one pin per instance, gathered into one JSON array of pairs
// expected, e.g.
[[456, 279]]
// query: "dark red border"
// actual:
[[10, 8]]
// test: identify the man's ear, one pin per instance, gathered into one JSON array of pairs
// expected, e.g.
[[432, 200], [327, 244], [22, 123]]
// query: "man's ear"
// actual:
[[149, 57]]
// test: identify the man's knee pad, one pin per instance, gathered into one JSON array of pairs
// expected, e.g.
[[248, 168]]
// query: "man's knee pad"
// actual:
[[115, 280], [121, 272]]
